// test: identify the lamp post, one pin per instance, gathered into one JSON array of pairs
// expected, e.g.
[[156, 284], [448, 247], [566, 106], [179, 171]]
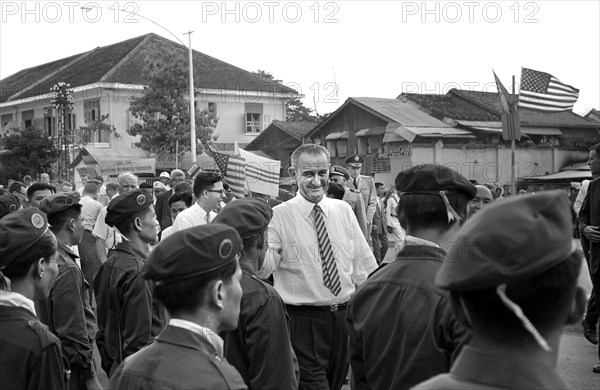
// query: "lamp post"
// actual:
[[63, 102], [192, 106]]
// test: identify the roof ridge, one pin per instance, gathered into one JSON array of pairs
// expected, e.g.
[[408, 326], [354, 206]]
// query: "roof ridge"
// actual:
[[461, 94], [51, 74], [127, 56]]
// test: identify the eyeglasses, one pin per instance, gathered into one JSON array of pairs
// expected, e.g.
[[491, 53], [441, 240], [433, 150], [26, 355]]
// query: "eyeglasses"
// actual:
[[216, 191]]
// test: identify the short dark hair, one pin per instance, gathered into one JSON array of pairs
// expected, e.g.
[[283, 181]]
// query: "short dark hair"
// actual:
[[186, 197], [45, 248], [538, 297], [379, 184], [185, 296], [182, 187], [421, 211], [336, 191], [39, 187], [90, 188], [205, 180], [57, 221], [16, 186], [112, 186]]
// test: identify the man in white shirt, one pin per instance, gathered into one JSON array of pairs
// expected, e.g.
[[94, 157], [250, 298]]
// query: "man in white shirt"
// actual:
[[208, 189], [90, 208], [106, 236], [318, 256]]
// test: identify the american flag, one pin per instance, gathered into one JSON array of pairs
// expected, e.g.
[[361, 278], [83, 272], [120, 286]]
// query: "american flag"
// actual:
[[542, 91], [233, 168]]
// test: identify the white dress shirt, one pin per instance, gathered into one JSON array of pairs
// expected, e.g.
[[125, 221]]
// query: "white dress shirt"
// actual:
[[13, 299], [90, 209], [294, 257], [581, 196], [214, 339], [101, 230], [190, 217]]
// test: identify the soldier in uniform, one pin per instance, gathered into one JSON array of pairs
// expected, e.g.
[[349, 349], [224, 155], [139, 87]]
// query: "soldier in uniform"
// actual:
[[8, 204], [67, 310], [263, 329], [128, 317], [340, 175], [366, 186], [30, 354], [197, 276], [512, 274]]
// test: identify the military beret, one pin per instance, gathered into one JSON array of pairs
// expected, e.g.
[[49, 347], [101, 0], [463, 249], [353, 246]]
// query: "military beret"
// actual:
[[355, 160], [8, 204], [339, 171], [249, 216], [19, 231], [126, 205], [508, 242], [192, 252], [57, 203], [431, 179]]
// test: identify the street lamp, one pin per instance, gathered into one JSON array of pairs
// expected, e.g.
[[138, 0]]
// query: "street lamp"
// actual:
[[63, 102], [192, 107]]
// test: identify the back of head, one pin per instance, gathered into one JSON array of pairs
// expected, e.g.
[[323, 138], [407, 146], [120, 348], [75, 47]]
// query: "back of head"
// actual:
[[186, 197], [90, 188], [177, 174], [183, 187], [16, 186], [336, 191]]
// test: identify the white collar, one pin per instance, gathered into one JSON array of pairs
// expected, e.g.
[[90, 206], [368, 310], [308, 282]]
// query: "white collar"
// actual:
[[11, 298], [206, 333], [307, 207], [419, 241]]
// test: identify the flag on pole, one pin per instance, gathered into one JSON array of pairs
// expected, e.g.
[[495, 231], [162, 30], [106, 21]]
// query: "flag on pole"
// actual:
[[542, 91], [511, 125], [262, 174], [233, 168]]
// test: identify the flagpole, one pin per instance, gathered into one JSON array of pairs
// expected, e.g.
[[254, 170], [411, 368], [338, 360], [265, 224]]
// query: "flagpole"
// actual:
[[512, 153]]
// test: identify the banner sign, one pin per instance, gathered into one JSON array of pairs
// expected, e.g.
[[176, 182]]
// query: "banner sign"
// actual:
[[136, 166]]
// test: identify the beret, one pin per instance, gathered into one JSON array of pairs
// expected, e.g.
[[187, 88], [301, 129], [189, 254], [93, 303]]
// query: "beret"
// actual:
[[8, 204], [508, 242], [340, 171], [126, 205], [192, 252], [249, 216], [57, 203], [431, 179], [165, 174], [158, 185], [19, 231], [355, 160]]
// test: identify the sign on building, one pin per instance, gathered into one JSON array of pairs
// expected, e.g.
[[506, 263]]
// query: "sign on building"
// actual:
[[137, 166]]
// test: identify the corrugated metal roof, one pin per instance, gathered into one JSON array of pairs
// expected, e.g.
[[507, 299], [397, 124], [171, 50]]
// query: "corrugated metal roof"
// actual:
[[338, 135], [407, 114], [374, 131], [563, 175]]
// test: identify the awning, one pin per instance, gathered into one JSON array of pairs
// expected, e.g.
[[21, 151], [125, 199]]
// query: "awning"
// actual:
[[496, 127], [542, 131], [370, 132], [563, 175], [338, 135], [391, 136], [409, 133]]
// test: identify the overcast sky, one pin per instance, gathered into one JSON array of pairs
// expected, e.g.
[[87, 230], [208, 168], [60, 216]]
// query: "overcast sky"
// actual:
[[366, 48]]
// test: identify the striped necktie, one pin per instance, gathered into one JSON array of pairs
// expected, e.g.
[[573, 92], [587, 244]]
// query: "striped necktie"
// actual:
[[331, 279]]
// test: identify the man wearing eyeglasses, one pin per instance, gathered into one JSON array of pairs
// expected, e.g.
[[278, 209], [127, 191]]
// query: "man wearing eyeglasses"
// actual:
[[208, 189]]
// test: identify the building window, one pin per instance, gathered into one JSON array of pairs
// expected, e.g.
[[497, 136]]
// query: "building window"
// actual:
[[6, 119], [337, 148], [91, 110], [27, 117], [212, 108], [253, 117]]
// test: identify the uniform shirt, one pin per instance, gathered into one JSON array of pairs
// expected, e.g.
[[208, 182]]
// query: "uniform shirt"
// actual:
[[128, 316], [366, 187], [400, 325], [355, 201], [68, 313], [477, 369], [30, 353], [190, 217], [90, 209], [294, 257], [262, 333], [391, 210], [179, 358], [101, 230]]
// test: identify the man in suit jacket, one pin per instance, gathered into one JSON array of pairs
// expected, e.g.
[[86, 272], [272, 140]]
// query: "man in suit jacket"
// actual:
[[163, 211], [379, 231], [366, 186], [589, 224]]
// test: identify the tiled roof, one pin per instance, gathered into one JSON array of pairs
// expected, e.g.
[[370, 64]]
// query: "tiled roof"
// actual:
[[296, 129], [121, 63], [451, 106]]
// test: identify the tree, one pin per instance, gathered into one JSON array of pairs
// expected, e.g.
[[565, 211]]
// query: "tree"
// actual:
[[89, 132], [295, 109], [30, 153], [164, 110]]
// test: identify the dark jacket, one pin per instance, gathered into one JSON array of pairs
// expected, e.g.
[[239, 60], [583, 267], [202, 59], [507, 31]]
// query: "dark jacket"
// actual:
[[260, 347], [177, 359], [128, 317], [68, 313], [379, 220], [400, 326], [589, 215], [30, 355], [163, 211]]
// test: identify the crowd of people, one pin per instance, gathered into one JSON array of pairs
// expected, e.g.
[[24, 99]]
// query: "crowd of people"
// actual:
[[429, 283]]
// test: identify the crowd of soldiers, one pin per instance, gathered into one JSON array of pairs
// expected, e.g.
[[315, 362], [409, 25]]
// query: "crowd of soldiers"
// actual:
[[180, 286]]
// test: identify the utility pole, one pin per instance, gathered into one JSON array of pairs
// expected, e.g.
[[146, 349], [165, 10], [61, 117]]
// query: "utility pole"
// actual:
[[192, 105]]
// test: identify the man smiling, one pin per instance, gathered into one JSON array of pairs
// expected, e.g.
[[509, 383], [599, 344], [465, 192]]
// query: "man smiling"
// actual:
[[318, 256]]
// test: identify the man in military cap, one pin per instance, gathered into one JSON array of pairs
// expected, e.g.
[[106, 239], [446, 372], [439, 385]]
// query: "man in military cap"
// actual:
[[67, 310], [400, 325], [128, 317], [365, 185], [340, 175], [512, 275], [263, 329], [8, 204], [30, 353], [197, 276]]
